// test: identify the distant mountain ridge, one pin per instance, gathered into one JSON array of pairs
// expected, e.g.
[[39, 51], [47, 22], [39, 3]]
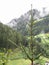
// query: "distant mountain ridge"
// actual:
[[25, 17], [20, 24]]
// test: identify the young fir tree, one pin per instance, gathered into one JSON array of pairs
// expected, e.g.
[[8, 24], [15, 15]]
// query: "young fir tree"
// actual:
[[35, 48]]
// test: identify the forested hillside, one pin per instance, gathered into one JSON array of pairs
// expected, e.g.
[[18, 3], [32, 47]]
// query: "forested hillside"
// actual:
[[7, 33], [8, 36], [21, 24]]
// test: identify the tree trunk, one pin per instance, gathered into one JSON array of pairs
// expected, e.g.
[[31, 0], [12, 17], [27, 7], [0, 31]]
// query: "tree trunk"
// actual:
[[32, 63]]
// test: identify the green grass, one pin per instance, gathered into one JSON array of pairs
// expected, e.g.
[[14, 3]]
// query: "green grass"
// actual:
[[19, 62], [41, 60], [22, 61], [27, 62]]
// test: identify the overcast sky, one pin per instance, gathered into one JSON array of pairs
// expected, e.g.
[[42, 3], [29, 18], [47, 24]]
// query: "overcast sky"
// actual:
[[10, 9]]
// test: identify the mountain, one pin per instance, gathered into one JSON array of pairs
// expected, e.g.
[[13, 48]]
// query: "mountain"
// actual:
[[20, 24], [12, 23], [25, 18]]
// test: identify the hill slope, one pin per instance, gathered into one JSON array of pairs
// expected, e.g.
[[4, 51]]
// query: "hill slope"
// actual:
[[21, 23]]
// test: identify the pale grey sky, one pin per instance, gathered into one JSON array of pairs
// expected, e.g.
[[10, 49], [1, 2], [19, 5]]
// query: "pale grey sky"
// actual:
[[10, 9]]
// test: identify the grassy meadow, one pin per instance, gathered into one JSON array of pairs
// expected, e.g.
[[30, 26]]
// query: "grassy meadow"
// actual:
[[19, 62]]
